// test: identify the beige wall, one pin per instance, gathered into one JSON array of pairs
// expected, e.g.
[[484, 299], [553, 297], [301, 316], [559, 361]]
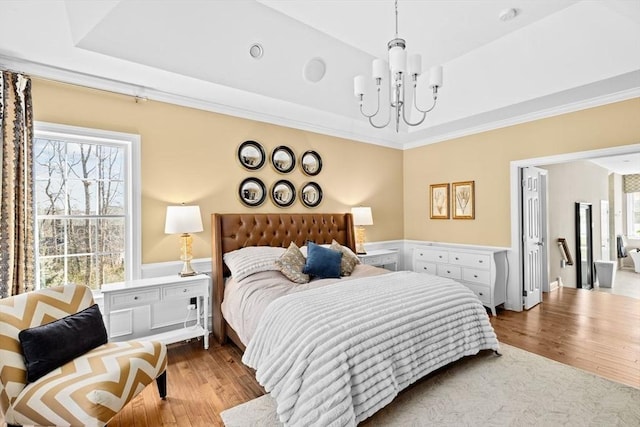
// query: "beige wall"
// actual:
[[485, 158], [189, 156]]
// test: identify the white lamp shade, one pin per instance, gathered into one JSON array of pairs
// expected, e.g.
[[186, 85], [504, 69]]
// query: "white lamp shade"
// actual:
[[415, 64], [183, 219], [379, 68], [435, 76], [397, 59], [362, 216]]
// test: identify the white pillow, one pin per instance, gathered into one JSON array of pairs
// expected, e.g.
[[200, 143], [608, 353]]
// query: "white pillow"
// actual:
[[252, 259]]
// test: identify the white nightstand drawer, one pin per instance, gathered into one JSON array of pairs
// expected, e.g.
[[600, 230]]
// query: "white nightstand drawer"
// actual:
[[450, 271], [433, 255], [482, 292], [135, 298], [477, 276], [470, 260], [425, 267], [181, 291]]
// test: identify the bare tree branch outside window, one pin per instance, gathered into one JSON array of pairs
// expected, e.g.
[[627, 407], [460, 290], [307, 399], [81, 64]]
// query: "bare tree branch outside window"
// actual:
[[81, 212]]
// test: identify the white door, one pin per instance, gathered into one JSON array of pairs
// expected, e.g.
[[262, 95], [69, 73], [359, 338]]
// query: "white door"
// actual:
[[533, 239], [604, 230]]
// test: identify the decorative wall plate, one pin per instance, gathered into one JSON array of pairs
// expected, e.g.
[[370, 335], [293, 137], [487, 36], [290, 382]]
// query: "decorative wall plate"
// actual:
[[283, 159], [311, 194], [311, 163], [283, 193], [252, 192], [251, 155]]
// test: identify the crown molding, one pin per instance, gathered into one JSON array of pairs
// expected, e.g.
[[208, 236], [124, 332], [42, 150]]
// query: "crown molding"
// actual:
[[291, 115]]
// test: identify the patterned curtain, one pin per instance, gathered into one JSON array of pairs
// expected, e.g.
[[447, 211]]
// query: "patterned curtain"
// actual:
[[17, 256]]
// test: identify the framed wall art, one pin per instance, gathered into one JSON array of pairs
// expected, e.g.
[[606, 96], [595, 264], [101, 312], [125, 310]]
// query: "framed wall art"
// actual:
[[463, 195], [439, 194]]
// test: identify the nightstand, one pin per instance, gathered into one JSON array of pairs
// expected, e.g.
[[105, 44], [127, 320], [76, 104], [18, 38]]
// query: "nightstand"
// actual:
[[380, 258], [138, 293]]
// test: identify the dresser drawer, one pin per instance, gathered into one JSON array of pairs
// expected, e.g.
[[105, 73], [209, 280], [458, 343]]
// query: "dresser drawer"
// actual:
[[482, 277], [129, 299], [181, 291], [425, 267], [470, 260], [432, 255], [450, 271], [482, 292]]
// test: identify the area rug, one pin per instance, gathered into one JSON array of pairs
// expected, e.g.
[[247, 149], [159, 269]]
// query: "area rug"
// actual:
[[519, 388]]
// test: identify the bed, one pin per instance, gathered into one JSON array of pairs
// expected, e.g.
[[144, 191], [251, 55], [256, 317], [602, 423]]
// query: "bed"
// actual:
[[336, 351]]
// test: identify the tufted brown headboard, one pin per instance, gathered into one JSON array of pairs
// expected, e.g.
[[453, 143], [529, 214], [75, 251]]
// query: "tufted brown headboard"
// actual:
[[234, 231]]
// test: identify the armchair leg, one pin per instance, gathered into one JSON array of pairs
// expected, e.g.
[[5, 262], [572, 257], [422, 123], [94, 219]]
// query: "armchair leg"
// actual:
[[162, 385]]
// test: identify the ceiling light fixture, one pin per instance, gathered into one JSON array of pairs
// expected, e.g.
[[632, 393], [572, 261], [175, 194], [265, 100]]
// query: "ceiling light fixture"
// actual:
[[397, 69]]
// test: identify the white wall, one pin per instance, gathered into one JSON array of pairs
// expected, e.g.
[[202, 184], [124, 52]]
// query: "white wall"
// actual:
[[568, 183]]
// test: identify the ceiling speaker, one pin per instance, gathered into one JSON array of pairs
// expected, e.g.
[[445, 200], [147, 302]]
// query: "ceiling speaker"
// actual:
[[314, 70]]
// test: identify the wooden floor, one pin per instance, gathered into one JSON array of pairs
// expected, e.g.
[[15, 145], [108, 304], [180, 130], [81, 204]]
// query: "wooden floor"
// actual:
[[593, 331]]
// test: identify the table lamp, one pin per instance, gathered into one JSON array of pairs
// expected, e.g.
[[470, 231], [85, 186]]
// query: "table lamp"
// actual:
[[184, 220], [361, 216]]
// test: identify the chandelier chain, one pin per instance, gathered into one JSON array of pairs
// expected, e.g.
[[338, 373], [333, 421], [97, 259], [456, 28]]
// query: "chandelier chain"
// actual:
[[396, 18]]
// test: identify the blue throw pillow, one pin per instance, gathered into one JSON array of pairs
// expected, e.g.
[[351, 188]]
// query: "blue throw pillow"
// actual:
[[50, 346], [322, 262]]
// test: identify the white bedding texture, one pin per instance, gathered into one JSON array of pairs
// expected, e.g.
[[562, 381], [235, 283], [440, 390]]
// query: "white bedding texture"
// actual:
[[335, 355]]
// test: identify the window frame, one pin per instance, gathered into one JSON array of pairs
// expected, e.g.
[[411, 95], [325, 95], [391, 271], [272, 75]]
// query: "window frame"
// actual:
[[631, 234], [131, 144]]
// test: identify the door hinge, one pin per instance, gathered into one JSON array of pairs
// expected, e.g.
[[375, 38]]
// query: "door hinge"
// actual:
[[524, 293]]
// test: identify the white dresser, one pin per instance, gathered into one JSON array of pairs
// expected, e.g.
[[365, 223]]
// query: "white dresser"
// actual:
[[168, 289], [482, 270]]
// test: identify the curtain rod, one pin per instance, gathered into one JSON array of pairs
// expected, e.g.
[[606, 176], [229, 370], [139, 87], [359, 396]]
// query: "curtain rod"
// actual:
[[72, 73]]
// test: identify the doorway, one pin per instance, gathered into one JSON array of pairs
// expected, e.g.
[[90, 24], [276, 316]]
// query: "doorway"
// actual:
[[515, 285]]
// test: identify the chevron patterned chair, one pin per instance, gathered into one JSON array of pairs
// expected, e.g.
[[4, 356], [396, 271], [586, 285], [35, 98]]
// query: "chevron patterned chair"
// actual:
[[87, 391]]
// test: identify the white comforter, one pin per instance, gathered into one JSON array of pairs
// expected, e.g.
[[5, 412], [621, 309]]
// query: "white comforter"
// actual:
[[334, 356]]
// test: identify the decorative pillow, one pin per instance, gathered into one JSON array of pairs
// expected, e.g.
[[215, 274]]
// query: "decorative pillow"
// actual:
[[322, 262], [292, 263], [349, 259], [252, 259], [50, 346]]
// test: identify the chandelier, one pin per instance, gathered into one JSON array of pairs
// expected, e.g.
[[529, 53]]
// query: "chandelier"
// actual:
[[396, 71]]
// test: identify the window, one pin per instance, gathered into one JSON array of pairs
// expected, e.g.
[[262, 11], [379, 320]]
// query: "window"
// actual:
[[87, 206], [633, 215]]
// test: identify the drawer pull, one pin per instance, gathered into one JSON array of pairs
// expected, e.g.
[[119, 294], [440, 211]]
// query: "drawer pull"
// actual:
[[480, 293], [457, 258], [480, 261], [448, 272], [440, 256], [184, 290], [135, 297], [421, 254], [475, 276]]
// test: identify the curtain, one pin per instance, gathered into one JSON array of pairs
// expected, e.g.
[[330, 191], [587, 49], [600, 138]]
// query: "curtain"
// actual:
[[17, 256]]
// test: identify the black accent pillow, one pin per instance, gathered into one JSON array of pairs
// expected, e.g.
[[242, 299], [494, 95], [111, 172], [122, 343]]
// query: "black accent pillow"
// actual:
[[50, 346], [322, 262]]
